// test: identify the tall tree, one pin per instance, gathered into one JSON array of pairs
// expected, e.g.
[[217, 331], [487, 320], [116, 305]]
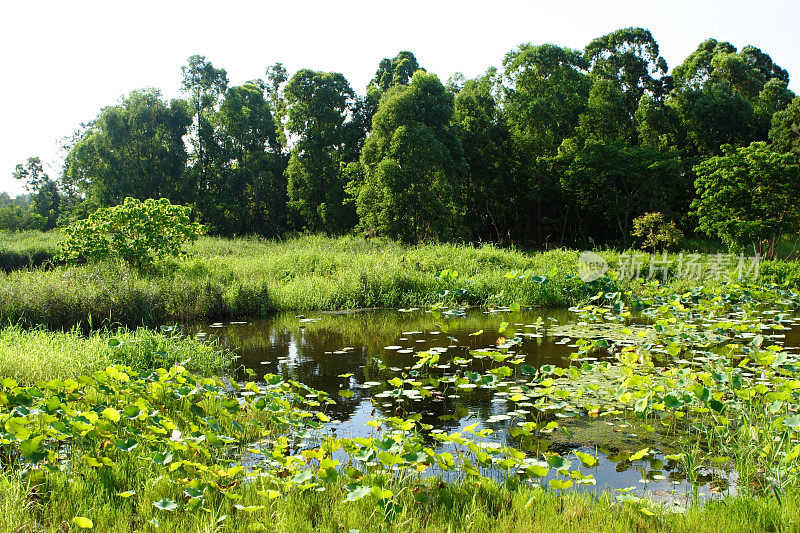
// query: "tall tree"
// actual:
[[489, 190], [134, 149], [44, 191], [396, 71], [773, 98], [204, 85], [412, 162], [546, 91], [317, 108], [785, 131], [276, 79], [695, 71], [748, 197], [248, 194], [391, 72], [630, 58], [610, 179], [725, 96]]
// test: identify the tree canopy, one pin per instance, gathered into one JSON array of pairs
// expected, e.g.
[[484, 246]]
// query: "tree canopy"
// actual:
[[748, 197], [555, 146], [412, 162]]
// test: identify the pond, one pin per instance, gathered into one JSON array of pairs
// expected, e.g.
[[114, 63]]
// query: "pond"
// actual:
[[353, 356]]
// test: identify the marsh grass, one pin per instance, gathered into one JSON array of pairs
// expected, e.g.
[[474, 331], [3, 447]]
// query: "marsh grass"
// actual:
[[29, 356], [476, 507], [27, 249], [250, 277]]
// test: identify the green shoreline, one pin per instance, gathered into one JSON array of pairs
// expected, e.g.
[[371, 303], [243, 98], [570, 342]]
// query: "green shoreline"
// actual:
[[250, 277]]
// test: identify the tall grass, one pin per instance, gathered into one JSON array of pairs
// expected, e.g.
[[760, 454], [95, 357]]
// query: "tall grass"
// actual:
[[474, 507], [253, 277], [26, 249], [28, 356]]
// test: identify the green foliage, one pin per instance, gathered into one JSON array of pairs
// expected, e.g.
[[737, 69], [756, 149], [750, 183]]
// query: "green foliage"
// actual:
[[32, 173], [727, 97], [391, 72], [27, 249], [46, 198], [204, 85], [610, 173], [247, 191], [168, 445], [396, 71], [785, 132], [514, 159], [713, 116], [411, 161], [747, 197], [133, 149], [656, 232], [17, 215], [546, 91], [138, 232], [489, 184], [32, 355], [630, 59], [781, 273], [317, 104], [254, 277], [615, 182]]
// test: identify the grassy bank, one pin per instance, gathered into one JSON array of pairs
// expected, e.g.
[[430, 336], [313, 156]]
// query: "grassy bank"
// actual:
[[30, 356], [474, 507], [27, 249], [250, 277]]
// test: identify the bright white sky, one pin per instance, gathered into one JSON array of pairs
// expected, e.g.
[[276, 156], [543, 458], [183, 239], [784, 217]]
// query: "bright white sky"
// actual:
[[65, 60]]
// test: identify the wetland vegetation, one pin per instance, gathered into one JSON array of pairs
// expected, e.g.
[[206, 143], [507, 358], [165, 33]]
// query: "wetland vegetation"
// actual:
[[624, 404], [361, 312], [224, 278]]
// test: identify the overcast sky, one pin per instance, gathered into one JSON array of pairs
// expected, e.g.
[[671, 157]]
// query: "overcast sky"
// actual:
[[65, 60]]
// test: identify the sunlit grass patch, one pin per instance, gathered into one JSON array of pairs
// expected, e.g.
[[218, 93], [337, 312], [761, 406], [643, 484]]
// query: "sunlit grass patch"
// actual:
[[29, 356], [252, 277]]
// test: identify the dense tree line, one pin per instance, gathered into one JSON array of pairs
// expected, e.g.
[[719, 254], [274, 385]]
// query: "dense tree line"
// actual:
[[556, 146]]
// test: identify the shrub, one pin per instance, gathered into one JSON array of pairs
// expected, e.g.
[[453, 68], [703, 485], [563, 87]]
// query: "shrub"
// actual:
[[138, 232], [655, 231]]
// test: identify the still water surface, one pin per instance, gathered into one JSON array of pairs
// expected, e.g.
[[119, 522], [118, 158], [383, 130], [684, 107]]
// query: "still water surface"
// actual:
[[359, 351]]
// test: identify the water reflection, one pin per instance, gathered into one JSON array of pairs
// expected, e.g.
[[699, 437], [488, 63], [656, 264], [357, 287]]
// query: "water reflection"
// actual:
[[318, 348], [361, 351]]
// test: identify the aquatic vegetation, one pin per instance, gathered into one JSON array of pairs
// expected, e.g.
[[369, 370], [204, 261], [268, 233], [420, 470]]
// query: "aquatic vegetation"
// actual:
[[698, 387], [184, 430], [702, 379]]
